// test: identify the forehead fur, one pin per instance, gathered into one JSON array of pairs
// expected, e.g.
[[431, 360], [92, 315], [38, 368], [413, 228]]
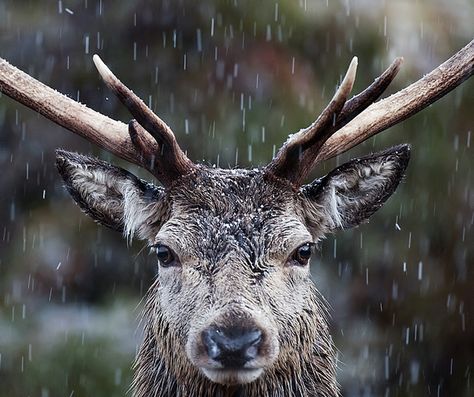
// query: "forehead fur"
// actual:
[[216, 209]]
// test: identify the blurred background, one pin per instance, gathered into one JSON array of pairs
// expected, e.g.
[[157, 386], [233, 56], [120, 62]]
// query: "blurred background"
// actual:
[[233, 78]]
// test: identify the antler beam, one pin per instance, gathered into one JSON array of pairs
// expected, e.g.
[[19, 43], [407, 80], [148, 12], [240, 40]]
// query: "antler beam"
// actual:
[[149, 142], [401, 105], [109, 134], [357, 121]]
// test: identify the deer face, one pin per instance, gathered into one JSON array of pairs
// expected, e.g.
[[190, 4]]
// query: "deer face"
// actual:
[[233, 286], [232, 241]]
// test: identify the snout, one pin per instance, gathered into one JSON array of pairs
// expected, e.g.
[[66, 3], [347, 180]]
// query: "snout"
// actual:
[[233, 349]]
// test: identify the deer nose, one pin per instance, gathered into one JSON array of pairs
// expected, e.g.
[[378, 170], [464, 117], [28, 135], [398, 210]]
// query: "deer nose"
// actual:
[[233, 347]]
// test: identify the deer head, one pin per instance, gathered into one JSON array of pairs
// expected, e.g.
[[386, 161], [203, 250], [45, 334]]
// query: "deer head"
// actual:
[[233, 306]]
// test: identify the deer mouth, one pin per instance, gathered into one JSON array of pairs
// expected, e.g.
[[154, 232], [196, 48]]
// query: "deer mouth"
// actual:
[[237, 376]]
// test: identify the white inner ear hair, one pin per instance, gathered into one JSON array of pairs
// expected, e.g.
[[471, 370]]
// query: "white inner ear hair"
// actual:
[[351, 190], [116, 197]]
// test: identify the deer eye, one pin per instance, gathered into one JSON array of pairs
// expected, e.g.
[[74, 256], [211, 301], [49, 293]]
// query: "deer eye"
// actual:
[[165, 255], [301, 255]]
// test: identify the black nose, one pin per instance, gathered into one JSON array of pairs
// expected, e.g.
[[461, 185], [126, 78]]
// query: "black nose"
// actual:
[[232, 347]]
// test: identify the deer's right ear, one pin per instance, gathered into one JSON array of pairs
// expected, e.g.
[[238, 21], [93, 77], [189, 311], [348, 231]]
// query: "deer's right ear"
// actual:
[[110, 195]]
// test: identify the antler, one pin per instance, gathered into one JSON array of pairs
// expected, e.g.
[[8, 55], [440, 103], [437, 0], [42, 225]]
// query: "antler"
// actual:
[[149, 143], [356, 121]]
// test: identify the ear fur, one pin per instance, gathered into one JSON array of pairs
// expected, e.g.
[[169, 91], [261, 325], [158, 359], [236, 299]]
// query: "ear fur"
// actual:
[[351, 193], [110, 195]]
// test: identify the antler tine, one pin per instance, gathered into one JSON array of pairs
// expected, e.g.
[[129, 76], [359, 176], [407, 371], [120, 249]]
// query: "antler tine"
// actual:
[[360, 102], [288, 162], [109, 134], [354, 107], [389, 111], [168, 162]]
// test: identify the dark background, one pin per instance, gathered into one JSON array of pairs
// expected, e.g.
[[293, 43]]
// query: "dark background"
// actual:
[[401, 298]]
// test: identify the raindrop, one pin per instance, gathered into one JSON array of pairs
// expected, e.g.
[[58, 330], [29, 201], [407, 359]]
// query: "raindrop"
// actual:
[[186, 126], [212, 27], [414, 372], [12, 211], [397, 226], [199, 40], [86, 44], [269, 33], [394, 291]]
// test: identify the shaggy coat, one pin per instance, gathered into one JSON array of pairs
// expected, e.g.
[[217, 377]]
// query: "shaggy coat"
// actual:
[[234, 237]]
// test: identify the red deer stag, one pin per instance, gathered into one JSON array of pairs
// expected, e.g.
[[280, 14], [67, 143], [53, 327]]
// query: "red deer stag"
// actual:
[[233, 310]]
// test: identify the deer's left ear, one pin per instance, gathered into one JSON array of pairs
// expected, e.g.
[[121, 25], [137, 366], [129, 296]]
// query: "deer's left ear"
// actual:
[[351, 193]]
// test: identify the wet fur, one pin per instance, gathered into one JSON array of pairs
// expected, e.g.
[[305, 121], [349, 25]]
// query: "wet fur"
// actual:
[[234, 232]]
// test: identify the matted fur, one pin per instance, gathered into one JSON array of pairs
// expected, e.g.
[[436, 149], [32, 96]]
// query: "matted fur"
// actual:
[[234, 232]]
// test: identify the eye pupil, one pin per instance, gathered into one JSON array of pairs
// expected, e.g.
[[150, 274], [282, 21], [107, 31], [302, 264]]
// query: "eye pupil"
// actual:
[[305, 251], [165, 255], [302, 254]]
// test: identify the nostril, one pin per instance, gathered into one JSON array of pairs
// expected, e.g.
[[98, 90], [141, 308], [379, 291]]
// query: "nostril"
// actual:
[[232, 347], [209, 338]]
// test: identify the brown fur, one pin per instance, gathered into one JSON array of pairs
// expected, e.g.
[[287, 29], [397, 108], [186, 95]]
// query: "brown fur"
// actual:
[[234, 233]]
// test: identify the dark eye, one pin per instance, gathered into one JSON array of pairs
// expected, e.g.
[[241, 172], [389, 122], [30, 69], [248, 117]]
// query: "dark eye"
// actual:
[[165, 255], [302, 254]]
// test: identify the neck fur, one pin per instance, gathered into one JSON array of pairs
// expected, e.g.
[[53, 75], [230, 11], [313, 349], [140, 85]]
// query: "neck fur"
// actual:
[[310, 375]]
